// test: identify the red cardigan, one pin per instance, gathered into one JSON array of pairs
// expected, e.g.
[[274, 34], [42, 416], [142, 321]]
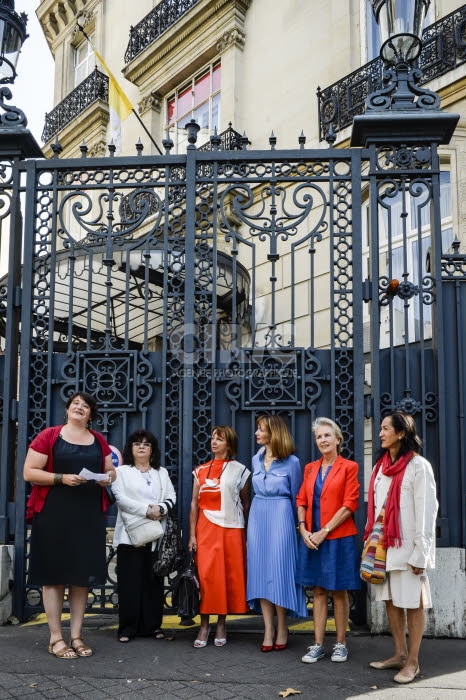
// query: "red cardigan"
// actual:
[[341, 488], [44, 443]]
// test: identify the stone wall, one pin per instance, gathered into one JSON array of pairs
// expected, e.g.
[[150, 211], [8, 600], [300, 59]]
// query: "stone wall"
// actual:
[[448, 589]]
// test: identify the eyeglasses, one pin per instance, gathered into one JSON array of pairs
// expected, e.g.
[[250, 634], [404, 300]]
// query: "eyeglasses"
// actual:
[[145, 445]]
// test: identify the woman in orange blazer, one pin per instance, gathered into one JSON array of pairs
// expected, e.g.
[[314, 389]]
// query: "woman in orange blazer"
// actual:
[[328, 558]]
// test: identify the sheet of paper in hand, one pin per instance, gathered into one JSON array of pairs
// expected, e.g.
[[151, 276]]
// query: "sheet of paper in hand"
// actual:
[[88, 475]]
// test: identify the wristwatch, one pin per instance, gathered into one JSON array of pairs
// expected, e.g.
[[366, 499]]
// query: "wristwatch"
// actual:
[[162, 510]]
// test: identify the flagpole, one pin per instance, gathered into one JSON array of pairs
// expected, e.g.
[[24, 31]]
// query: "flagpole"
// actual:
[[132, 108], [147, 131]]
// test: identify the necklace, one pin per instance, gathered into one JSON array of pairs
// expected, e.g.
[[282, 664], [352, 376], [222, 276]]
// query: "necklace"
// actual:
[[145, 475], [215, 481], [325, 470], [268, 461]]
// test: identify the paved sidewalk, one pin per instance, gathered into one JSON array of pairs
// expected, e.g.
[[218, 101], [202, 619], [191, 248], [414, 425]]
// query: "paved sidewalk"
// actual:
[[147, 668]]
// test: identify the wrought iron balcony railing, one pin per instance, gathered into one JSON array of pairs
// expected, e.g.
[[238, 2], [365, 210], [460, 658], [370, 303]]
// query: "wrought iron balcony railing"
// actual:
[[155, 23], [444, 49], [228, 140], [94, 87]]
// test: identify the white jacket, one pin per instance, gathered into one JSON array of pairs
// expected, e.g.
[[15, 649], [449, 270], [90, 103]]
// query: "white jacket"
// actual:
[[418, 513], [134, 494]]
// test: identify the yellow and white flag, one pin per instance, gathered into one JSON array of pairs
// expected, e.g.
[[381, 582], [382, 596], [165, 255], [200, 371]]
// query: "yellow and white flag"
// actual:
[[119, 105]]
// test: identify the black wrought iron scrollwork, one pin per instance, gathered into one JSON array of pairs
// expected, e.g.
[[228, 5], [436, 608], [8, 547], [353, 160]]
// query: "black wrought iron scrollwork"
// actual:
[[109, 377], [401, 86], [13, 116], [411, 405], [138, 203], [406, 289], [431, 407], [273, 378], [313, 378], [5, 201], [404, 158], [109, 217], [274, 217]]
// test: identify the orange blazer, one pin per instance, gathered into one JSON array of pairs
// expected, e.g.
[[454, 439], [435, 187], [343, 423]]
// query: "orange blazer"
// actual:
[[341, 488]]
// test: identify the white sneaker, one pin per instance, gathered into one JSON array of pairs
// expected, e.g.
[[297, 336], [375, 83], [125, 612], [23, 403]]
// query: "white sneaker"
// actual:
[[315, 652], [340, 652]]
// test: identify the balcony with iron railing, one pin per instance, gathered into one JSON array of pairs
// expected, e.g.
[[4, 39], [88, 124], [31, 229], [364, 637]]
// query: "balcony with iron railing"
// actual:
[[444, 49], [228, 140], [92, 88], [155, 23]]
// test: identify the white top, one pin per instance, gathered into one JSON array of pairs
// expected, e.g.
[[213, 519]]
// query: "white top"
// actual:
[[135, 491], [418, 512], [232, 480]]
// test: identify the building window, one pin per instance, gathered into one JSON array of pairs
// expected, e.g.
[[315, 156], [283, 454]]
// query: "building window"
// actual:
[[198, 99], [372, 34], [84, 61]]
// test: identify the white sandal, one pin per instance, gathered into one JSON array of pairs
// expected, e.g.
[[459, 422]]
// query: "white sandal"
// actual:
[[201, 643]]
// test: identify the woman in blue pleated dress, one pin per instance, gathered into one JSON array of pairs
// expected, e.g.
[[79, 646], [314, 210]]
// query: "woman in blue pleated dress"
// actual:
[[271, 539], [328, 558]]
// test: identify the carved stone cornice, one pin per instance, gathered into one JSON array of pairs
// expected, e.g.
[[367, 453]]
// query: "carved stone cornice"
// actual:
[[234, 37], [85, 18], [57, 17], [98, 150], [152, 101]]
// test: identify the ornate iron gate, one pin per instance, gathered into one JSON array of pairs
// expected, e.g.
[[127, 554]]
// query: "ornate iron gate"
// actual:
[[184, 291], [189, 290]]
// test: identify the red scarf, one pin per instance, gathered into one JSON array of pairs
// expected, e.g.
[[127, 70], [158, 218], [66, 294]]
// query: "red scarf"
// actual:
[[391, 525]]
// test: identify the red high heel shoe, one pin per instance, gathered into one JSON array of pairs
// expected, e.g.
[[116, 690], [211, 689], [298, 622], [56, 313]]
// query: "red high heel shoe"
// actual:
[[265, 648], [280, 647]]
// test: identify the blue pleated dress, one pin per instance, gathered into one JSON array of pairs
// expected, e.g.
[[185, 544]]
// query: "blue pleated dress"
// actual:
[[335, 565], [271, 539]]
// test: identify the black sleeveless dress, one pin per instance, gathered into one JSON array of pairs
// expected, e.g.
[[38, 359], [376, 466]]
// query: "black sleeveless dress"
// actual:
[[68, 535]]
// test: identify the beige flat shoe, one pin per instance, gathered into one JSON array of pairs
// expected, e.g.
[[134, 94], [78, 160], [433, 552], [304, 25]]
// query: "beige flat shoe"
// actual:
[[402, 678], [383, 665]]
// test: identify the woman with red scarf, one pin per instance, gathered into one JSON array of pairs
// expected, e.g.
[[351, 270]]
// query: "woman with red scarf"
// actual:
[[404, 481]]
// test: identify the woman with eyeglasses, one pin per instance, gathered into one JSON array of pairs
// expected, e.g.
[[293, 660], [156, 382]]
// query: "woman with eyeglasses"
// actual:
[[219, 508], [142, 488]]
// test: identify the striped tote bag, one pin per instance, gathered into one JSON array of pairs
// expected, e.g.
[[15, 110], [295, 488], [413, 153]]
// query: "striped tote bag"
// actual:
[[374, 554]]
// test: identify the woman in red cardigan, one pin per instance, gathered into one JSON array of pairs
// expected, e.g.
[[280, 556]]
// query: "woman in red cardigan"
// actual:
[[67, 513], [328, 558]]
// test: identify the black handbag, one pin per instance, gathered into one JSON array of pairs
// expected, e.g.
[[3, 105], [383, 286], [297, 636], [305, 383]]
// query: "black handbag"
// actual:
[[186, 596], [169, 554], [110, 495]]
